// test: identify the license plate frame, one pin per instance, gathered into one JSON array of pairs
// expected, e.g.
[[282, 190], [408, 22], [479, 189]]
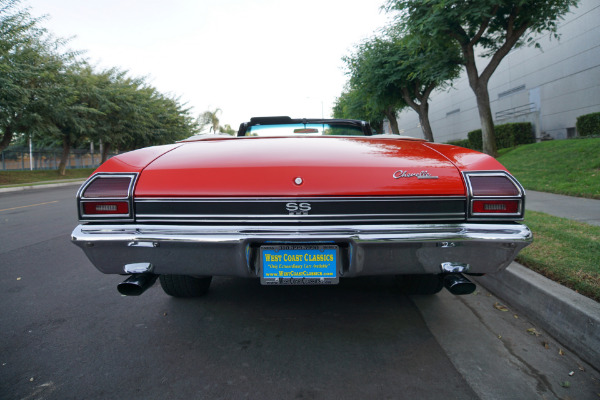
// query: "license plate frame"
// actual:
[[299, 264]]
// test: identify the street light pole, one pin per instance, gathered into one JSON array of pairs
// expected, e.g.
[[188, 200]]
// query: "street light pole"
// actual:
[[30, 154]]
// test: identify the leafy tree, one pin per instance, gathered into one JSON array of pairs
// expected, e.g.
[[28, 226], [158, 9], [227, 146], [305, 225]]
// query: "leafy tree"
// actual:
[[72, 113], [28, 72], [132, 114], [364, 68], [353, 105], [397, 71], [50, 93], [496, 26]]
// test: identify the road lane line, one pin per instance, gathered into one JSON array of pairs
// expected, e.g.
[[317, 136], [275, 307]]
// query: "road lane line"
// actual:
[[32, 205]]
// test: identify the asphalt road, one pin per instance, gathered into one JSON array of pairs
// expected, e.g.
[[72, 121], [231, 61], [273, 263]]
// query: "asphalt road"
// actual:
[[66, 333]]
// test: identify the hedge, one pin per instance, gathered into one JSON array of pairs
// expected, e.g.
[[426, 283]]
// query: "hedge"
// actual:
[[460, 143], [507, 135], [588, 124]]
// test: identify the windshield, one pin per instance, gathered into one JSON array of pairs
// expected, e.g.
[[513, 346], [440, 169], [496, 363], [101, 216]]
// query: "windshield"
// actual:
[[304, 130]]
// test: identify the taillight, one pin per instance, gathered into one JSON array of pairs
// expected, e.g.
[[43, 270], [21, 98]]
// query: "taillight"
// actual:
[[495, 206], [108, 187], [495, 185], [105, 207], [494, 195], [107, 196]]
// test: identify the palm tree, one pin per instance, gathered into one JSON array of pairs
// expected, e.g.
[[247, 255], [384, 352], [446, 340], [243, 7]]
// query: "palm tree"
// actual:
[[210, 118]]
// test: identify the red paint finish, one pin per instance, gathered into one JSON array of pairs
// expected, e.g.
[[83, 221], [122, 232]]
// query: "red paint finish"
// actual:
[[466, 159], [328, 166], [136, 160]]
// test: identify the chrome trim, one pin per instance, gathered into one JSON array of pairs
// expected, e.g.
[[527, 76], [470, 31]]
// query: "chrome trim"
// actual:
[[472, 216], [294, 198], [454, 267], [107, 217], [419, 175], [247, 220], [223, 250], [138, 268]]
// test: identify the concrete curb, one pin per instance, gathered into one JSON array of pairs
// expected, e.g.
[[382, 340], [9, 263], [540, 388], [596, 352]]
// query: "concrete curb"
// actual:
[[572, 319], [41, 186]]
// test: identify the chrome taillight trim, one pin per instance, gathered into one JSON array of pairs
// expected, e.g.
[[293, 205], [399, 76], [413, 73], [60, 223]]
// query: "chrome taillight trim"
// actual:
[[520, 197], [81, 200]]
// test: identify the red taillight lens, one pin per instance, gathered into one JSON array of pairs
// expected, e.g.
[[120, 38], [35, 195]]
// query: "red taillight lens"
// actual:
[[498, 185], [106, 207], [496, 206], [107, 186]]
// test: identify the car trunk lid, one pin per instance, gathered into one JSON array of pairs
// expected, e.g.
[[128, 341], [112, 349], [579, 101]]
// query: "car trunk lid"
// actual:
[[301, 167]]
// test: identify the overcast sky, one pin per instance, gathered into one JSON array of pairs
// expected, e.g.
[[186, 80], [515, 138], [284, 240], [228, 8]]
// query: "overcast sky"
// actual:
[[249, 58]]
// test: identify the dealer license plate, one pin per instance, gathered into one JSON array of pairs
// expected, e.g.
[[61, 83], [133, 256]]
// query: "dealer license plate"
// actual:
[[299, 265]]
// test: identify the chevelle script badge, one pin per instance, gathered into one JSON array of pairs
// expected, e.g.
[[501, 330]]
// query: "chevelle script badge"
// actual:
[[419, 175]]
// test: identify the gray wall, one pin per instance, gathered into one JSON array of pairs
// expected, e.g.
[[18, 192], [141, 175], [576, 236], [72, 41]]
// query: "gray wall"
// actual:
[[549, 88]]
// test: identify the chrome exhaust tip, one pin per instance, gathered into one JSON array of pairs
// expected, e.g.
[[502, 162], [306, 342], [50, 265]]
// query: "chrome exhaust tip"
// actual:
[[136, 284], [457, 284]]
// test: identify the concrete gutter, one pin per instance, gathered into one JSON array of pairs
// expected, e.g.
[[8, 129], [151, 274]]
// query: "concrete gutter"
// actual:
[[572, 319], [42, 185]]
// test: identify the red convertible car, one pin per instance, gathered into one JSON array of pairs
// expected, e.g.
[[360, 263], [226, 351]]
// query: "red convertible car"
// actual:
[[300, 201]]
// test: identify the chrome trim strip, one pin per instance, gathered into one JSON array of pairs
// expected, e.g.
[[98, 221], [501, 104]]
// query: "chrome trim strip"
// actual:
[[279, 221], [295, 198], [411, 232], [292, 216]]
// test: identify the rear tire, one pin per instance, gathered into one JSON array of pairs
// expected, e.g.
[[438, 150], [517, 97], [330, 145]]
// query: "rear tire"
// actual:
[[185, 285], [420, 284]]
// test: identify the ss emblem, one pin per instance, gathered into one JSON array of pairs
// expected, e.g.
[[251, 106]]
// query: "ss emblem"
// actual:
[[298, 208]]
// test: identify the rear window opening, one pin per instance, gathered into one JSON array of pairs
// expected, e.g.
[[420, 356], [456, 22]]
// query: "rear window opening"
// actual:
[[304, 130]]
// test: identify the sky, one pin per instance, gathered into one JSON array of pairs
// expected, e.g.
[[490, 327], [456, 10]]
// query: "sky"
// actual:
[[248, 58]]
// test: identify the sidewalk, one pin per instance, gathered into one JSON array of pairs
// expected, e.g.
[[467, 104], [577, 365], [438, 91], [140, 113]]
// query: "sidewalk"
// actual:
[[569, 317], [41, 185], [576, 208]]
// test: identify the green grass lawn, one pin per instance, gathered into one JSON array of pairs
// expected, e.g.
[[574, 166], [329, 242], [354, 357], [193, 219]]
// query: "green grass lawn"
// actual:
[[568, 252], [570, 167], [26, 177]]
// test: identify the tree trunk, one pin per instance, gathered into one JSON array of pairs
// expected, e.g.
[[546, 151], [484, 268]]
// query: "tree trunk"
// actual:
[[62, 167], [390, 113], [422, 107], [6, 138], [488, 134], [105, 149], [424, 120], [479, 83], [377, 127]]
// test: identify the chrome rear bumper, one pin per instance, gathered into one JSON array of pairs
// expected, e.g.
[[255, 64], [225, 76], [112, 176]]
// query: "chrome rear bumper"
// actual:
[[365, 249]]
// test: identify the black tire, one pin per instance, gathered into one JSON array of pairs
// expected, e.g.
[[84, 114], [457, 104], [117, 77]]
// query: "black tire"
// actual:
[[185, 285], [420, 284]]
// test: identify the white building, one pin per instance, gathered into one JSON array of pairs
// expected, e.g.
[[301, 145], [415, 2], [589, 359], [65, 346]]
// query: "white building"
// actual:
[[550, 87]]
